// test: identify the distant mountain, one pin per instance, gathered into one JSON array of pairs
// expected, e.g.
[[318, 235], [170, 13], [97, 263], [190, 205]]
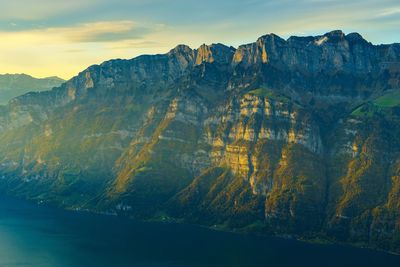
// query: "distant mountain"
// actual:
[[13, 85], [296, 136]]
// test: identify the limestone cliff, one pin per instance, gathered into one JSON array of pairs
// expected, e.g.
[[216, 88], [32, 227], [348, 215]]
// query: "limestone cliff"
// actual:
[[296, 136]]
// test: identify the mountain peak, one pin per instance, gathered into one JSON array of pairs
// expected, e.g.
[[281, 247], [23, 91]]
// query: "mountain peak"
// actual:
[[181, 48], [355, 37], [335, 36], [335, 33], [219, 53], [270, 36]]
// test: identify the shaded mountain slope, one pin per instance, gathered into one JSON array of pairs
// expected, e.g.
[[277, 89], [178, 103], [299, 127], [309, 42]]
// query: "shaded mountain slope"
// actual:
[[296, 136]]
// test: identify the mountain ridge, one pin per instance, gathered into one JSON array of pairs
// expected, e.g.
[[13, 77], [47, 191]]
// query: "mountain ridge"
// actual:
[[295, 136], [13, 85]]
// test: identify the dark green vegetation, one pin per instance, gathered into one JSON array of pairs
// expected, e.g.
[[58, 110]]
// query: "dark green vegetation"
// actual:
[[297, 136], [13, 85]]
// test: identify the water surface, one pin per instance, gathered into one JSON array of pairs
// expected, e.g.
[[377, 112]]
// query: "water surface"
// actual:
[[32, 235]]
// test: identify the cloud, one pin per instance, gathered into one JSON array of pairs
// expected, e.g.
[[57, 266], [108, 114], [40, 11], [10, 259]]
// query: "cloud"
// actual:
[[136, 44], [64, 51], [103, 31], [39, 9], [93, 32], [389, 12]]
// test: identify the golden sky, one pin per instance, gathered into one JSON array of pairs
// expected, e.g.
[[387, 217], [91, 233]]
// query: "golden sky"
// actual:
[[60, 38]]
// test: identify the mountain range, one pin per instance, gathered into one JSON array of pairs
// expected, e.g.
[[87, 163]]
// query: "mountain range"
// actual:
[[13, 85], [292, 137]]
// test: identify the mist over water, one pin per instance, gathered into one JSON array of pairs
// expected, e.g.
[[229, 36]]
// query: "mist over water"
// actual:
[[32, 235]]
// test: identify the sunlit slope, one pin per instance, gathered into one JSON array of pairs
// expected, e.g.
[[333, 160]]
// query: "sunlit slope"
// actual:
[[294, 136]]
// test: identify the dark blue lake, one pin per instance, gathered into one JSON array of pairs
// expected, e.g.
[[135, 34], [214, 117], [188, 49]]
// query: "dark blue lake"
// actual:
[[32, 235]]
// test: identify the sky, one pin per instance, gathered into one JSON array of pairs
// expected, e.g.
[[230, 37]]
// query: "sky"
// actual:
[[61, 38]]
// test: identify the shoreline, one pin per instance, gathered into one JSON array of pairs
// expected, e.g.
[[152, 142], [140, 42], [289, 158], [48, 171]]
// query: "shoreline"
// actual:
[[317, 240]]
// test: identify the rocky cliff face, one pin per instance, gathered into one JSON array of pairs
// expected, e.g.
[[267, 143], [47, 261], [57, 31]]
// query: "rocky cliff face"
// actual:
[[296, 136]]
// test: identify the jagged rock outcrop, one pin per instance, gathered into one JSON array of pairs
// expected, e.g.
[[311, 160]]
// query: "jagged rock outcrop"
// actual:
[[332, 52], [295, 136]]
